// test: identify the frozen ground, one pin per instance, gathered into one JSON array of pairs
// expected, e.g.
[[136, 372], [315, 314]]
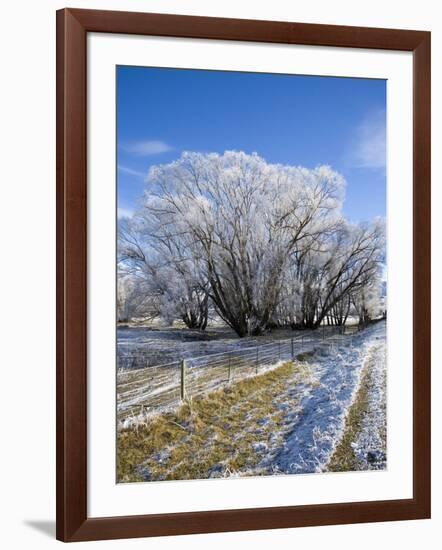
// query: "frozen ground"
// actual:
[[149, 379], [139, 347], [313, 408], [316, 426], [370, 446]]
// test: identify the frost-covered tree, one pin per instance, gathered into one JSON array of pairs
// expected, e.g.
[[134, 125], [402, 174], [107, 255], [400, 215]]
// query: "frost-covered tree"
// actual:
[[133, 299], [264, 244], [169, 276], [241, 221], [369, 301], [346, 261]]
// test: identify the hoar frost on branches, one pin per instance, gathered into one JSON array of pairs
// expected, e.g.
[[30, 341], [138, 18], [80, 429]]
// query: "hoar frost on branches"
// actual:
[[263, 244], [172, 283]]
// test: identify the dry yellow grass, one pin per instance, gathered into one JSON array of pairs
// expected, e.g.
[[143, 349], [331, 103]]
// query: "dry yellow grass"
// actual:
[[213, 435]]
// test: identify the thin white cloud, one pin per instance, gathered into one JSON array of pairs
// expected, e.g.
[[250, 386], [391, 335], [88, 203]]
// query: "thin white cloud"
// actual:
[[147, 148], [370, 148], [124, 213], [131, 172]]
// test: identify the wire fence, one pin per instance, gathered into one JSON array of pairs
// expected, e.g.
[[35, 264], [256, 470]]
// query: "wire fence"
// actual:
[[146, 389]]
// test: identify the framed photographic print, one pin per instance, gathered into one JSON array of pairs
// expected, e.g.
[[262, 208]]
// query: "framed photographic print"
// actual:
[[243, 274]]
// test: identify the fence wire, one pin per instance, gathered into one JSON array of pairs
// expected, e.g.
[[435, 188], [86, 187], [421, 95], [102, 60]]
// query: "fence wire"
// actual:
[[143, 389]]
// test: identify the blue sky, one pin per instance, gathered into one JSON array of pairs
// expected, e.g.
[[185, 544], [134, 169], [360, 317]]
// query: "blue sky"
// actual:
[[289, 119]]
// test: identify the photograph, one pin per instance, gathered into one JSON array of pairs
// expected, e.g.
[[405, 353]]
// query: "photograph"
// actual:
[[227, 327], [251, 274]]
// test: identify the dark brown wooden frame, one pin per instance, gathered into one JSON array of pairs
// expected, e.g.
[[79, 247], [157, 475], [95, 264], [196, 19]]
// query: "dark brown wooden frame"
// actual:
[[72, 28]]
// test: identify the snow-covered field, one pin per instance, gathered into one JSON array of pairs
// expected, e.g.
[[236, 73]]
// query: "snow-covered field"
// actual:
[[317, 425], [314, 407], [149, 380], [139, 347]]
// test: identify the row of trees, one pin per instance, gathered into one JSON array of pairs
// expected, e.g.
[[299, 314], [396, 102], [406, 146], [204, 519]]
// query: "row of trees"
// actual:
[[260, 244]]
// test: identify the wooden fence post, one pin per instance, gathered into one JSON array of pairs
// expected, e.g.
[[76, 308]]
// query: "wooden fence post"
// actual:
[[293, 349], [183, 379]]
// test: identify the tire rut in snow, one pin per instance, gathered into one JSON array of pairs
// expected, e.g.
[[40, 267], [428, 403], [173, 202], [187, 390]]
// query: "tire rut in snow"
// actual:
[[321, 422]]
